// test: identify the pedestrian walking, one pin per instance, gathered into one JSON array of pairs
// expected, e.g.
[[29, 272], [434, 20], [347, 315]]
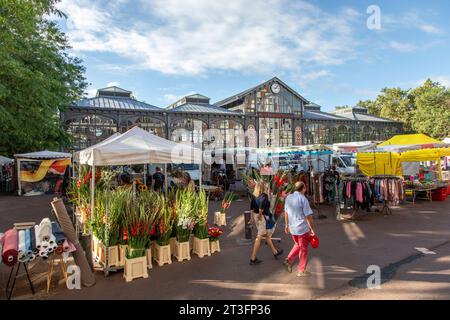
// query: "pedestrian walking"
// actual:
[[260, 215], [299, 223]]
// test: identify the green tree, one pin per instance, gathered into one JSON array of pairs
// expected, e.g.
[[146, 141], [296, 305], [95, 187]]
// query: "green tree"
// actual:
[[432, 110], [396, 104], [371, 106], [38, 77]]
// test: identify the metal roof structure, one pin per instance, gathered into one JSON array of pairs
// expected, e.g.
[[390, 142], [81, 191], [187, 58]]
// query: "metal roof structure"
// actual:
[[202, 108], [320, 115], [360, 114], [121, 103], [244, 93]]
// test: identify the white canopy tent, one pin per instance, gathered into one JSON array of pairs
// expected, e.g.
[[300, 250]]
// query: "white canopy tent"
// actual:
[[136, 146], [354, 146], [5, 160]]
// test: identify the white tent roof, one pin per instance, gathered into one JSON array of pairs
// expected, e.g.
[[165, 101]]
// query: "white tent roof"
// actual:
[[76, 155], [5, 160], [44, 155], [137, 146], [354, 146]]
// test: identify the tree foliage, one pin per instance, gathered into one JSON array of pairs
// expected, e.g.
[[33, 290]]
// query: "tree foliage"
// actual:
[[425, 109], [38, 77]]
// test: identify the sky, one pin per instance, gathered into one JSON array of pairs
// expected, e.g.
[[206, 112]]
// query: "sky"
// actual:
[[333, 53]]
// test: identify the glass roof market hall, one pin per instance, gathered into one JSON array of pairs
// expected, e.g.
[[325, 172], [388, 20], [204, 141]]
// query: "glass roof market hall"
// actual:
[[268, 115]]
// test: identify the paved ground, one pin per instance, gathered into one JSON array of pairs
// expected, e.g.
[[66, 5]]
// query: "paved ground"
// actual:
[[338, 267]]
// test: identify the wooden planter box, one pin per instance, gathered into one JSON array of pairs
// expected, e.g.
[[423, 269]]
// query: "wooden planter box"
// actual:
[[215, 246], [113, 255], [173, 245], [148, 254], [201, 247], [220, 219], [191, 241], [135, 268], [182, 251], [122, 253], [95, 249], [162, 254]]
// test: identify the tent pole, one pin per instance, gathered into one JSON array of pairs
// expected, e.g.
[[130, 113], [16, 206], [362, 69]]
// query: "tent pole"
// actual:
[[18, 178], [92, 192], [440, 169], [166, 177], [145, 174]]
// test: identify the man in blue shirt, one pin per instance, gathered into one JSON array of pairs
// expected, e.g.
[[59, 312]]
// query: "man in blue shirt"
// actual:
[[299, 223]]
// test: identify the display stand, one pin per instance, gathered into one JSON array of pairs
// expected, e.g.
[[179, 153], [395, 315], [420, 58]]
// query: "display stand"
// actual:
[[9, 290], [355, 212], [386, 209]]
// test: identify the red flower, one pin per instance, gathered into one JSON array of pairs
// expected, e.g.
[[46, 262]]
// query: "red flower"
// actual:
[[134, 231], [124, 234], [153, 230], [79, 184]]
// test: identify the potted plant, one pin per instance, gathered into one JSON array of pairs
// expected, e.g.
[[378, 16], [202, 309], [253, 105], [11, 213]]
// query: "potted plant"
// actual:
[[214, 234], [162, 252], [187, 203], [220, 216], [201, 239], [140, 218]]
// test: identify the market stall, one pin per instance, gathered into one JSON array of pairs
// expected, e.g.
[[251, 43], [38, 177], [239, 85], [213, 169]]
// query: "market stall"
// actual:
[[135, 146], [43, 172], [416, 158], [6, 174]]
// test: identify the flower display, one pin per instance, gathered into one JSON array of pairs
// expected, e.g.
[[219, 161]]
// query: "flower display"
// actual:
[[214, 233], [187, 208], [226, 202]]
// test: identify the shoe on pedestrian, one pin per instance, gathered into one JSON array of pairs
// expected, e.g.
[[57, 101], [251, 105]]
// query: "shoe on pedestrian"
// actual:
[[303, 274], [279, 252], [288, 266], [255, 262]]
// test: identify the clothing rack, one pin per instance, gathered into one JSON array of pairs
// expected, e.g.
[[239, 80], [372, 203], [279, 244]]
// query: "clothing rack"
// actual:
[[386, 209], [355, 212]]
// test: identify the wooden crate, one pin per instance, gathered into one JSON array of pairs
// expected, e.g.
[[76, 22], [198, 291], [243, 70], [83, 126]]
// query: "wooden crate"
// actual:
[[215, 246], [191, 241], [173, 245], [182, 251], [113, 254], [148, 254], [201, 247], [122, 254], [162, 254], [95, 250], [220, 219], [135, 268]]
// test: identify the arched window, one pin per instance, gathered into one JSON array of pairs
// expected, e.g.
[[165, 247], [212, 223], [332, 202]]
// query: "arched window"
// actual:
[[230, 133], [188, 130], [89, 130], [298, 136], [152, 125]]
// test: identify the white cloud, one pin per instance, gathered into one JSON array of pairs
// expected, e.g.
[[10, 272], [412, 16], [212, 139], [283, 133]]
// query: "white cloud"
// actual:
[[442, 79], [409, 20], [170, 98], [91, 92], [195, 37], [113, 84], [402, 46]]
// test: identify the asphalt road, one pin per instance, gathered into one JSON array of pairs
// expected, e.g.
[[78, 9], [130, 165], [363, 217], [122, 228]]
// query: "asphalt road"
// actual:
[[338, 267]]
